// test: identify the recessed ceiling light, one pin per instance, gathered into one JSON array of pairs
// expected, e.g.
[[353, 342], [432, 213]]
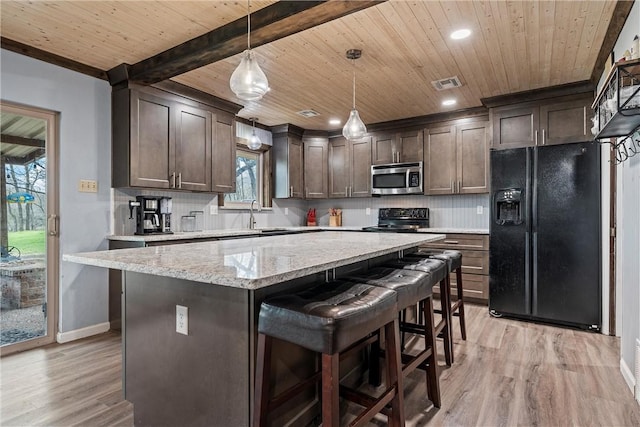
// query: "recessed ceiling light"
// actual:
[[461, 34], [448, 102], [335, 122]]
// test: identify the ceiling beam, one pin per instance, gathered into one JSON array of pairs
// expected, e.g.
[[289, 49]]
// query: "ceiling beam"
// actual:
[[619, 17], [268, 24], [18, 140], [52, 58]]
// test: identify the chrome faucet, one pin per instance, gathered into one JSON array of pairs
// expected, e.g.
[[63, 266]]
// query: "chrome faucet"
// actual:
[[252, 219]]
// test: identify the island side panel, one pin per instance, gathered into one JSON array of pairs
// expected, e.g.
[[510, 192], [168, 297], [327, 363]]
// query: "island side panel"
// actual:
[[174, 379]]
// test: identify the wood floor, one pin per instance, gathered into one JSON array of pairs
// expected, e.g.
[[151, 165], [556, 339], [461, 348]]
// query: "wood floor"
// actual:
[[507, 373]]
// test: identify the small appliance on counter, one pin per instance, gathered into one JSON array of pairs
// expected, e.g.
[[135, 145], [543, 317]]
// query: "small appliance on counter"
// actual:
[[401, 220], [153, 215]]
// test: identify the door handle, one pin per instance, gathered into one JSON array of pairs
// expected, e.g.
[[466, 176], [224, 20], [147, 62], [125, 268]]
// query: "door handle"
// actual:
[[52, 225]]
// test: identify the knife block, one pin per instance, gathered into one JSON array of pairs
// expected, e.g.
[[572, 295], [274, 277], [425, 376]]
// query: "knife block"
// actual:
[[335, 221]]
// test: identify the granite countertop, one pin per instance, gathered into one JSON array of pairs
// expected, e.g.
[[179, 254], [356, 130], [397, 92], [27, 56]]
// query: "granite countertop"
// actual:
[[213, 234], [455, 230], [253, 263]]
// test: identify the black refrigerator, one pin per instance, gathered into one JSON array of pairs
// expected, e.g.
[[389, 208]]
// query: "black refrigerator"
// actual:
[[544, 251]]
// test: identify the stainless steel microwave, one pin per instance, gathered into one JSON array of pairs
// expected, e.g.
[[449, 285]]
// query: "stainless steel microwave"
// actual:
[[396, 178]]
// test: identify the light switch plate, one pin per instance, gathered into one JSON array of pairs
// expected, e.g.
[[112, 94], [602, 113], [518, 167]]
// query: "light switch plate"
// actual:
[[88, 186], [213, 210], [367, 211], [286, 211], [182, 320], [479, 210]]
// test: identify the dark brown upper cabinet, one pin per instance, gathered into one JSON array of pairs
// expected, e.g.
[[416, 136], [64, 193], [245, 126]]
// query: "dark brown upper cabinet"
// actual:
[[456, 159], [288, 161], [349, 168], [395, 147], [316, 163], [548, 122], [163, 141], [224, 154]]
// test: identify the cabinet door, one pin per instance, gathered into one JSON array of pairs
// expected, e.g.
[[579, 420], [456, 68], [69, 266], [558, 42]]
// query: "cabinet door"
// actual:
[[224, 156], [382, 150], [565, 122], [440, 161], [472, 158], [360, 167], [296, 161], [152, 141], [339, 168], [316, 161], [514, 127], [410, 145], [193, 149]]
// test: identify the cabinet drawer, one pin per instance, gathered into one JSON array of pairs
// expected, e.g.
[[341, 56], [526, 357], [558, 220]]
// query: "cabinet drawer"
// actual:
[[461, 241], [475, 287], [475, 262]]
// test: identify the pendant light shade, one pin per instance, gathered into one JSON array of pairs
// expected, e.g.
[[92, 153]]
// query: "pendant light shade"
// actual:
[[248, 81], [254, 142], [354, 128]]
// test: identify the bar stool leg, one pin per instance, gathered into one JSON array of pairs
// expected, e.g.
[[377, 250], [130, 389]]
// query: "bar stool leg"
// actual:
[[375, 371], [433, 385], [263, 367], [463, 327], [330, 390], [445, 306], [394, 372]]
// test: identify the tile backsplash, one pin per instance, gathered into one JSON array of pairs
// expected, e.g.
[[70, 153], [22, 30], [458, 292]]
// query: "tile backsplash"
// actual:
[[459, 211]]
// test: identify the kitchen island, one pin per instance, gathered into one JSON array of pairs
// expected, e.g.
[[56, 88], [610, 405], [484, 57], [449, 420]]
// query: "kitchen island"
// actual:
[[206, 377]]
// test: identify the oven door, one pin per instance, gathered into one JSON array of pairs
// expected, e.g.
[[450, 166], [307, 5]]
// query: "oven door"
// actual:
[[396, 178]]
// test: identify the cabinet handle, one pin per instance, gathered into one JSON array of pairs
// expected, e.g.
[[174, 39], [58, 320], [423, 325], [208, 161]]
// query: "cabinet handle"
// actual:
[[536, 138], [350, 191], [346, 191], [173, 180], [452, 189], [543, 137], [459, 185], [179, 179], [585, 120], [306, 192], [291, 191], [452, 242]]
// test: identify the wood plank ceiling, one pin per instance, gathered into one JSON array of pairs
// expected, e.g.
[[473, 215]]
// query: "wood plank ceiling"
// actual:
[[515, 46]]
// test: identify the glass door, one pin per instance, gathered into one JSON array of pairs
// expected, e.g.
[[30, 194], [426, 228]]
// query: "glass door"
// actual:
[[28, 228]]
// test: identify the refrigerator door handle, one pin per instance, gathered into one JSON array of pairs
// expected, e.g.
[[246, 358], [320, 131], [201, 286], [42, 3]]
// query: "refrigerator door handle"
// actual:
[[527, 275], [534, 193], [534, 288]]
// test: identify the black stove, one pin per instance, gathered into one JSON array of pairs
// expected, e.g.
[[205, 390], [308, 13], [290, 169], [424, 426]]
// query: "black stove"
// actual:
[[401, 220]]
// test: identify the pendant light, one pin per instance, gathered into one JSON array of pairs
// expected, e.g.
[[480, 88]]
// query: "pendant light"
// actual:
[[254, 142], [248, 81], [354, 128]]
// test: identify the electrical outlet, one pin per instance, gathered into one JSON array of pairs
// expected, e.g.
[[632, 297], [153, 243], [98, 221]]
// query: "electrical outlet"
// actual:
[[479, 210], [182, 320], [213, 210], [286, 211], [367, 211], [88, 186]]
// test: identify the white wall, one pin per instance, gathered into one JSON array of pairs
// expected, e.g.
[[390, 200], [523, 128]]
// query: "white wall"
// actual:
[[628, 232], [85, 153]]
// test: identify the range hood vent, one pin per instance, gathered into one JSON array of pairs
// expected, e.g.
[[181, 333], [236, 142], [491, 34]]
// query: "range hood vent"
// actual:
[[448, 83]]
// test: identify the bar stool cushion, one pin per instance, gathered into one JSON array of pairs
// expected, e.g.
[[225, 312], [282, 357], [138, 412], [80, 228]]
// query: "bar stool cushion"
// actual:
[[411, 285], [453, 258], [437, 269], [329, 317]]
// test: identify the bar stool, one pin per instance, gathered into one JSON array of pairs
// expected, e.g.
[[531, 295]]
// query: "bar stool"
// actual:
[[454, 261], [412, 287], [331, 319], [443, 327]]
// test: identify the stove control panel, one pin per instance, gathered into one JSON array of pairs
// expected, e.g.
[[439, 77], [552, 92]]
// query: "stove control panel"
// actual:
[[403, 213]]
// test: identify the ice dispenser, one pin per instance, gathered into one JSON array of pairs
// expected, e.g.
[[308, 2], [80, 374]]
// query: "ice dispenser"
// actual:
[[509, 206]]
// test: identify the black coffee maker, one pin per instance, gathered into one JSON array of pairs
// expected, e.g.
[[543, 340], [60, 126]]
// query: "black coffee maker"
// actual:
[[153, 215]]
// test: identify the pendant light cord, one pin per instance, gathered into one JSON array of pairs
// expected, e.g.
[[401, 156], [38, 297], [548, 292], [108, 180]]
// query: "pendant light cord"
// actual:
[[248, 24], [354, 83]]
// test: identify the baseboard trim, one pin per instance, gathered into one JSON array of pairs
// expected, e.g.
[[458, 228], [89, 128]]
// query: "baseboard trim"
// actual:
[[77, 334], [627, 374]]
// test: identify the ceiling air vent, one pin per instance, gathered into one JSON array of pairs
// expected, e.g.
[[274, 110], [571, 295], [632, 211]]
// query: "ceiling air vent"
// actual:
[[448, 83], [308, 113]]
